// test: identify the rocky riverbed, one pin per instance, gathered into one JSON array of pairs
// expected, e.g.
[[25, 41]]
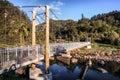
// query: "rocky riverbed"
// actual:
[[96, 55]]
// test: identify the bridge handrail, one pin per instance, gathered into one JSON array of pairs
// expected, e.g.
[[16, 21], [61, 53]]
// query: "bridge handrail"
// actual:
[[9, 56]]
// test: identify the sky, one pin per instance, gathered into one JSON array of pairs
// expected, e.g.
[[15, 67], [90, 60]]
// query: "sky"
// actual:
[[72, 9]]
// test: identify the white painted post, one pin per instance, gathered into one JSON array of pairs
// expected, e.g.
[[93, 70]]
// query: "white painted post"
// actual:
[[4, 57], [21, 52], [8, 55], [37, 52], [28, 50], [16, 54], [0, 59]]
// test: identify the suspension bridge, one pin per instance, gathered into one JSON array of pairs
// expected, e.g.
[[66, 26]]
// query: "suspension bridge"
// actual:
[[17, 57], [13, 58]]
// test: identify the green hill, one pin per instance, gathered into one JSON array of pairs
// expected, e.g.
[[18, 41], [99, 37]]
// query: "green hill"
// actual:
[[14, 25], [102, 28], [15, 28]]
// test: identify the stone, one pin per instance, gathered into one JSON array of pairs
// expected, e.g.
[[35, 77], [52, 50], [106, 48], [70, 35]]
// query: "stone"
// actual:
[[66, 55], [74, 60], [35, 72]]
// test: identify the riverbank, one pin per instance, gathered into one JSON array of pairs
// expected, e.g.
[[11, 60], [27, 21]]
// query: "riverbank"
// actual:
[[96, 55]]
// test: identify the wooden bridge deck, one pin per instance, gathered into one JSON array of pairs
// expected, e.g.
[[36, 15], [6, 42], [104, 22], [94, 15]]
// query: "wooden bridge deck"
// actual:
[[13, 58], [24, 62]]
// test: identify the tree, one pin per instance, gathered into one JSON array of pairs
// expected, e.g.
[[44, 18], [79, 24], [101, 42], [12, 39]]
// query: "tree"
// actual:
[[23, 33], [110, 37]]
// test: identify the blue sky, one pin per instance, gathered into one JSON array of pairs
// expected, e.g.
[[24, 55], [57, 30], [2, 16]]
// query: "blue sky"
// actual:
[[72, 9]]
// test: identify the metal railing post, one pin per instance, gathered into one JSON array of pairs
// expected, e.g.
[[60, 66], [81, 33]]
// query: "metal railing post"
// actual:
[[4, 57], [43, 49], [8, 58], [37, 52], [28, 50], [21, 52], [16, 54], [1, 58]]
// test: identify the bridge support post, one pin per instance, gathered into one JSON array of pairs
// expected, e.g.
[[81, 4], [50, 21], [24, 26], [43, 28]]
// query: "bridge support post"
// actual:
[[47, 41], [33, 28]]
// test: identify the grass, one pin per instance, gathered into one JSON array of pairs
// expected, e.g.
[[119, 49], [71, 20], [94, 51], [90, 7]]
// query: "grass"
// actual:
[[107, 48]]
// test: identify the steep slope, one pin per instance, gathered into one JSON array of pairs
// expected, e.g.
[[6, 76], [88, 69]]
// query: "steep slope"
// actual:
[[14, 24]]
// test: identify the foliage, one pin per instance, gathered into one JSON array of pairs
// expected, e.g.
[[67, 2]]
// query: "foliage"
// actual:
[[15, 26], [101, 28]]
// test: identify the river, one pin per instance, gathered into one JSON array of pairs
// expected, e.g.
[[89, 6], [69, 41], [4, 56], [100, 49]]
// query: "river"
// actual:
[[62, 71]]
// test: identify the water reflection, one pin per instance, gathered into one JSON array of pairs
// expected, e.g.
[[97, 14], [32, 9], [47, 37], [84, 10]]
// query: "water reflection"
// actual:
[[62, 71], [72, 72]]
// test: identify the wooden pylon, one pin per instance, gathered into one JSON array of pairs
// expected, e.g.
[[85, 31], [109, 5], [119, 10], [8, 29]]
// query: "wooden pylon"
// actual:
[[47, 41], [33, 28]]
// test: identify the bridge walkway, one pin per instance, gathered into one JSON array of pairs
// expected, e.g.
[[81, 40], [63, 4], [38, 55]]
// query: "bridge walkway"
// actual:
[[13, 58]]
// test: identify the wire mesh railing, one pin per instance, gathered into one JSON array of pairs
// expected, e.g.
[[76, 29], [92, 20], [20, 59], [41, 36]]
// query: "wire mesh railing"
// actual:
[[10, 56], [63, 47]]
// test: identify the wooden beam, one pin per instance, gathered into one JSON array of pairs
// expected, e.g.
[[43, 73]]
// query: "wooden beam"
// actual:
[[33, 28], [47, 41]]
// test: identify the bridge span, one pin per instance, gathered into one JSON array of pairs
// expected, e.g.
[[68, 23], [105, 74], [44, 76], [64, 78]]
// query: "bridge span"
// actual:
[[13, 58]]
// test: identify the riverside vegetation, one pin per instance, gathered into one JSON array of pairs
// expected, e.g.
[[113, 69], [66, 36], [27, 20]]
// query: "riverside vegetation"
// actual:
[[15, 29], [103, 29]]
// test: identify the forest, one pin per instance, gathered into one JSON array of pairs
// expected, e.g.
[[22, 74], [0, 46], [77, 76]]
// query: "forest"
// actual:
[[15, 28]]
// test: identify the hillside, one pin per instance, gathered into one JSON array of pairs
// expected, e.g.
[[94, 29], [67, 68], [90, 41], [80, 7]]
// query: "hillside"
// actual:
[[14, 25], [102, 28], [15, 28]]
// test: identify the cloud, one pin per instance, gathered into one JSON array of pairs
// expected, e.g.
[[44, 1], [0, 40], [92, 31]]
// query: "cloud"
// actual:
[[39, 8], [56, 7]]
